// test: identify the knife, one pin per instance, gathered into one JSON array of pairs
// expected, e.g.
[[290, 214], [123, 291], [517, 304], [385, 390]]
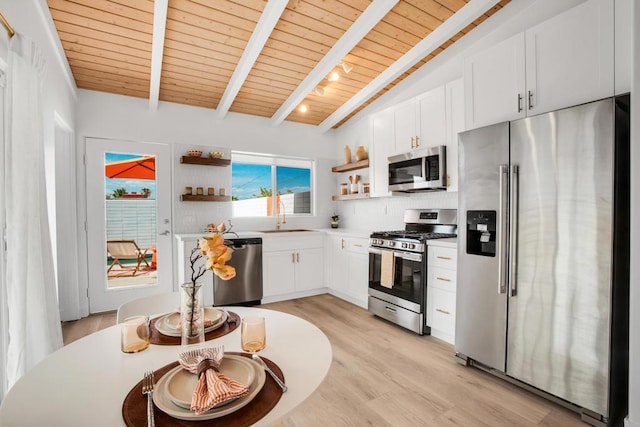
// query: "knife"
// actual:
[[282, 385]]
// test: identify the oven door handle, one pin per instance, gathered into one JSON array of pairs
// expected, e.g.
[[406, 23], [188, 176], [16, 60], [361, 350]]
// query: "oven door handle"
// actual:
[[410, 256]]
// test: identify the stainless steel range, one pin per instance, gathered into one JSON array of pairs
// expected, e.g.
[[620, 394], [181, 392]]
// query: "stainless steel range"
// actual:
[[398, 266]]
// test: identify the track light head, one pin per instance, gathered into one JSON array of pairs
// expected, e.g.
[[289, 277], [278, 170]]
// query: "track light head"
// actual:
[[346, 67], [319, 91]]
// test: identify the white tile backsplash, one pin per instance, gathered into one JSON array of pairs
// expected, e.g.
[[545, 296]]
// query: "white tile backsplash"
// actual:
[[387, 213]]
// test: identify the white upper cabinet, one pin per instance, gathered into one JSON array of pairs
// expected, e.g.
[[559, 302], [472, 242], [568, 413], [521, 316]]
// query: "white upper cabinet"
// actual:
[[382, 146], [454, 102], [567, 60], [494, 83], [432, 118], [405, 127]]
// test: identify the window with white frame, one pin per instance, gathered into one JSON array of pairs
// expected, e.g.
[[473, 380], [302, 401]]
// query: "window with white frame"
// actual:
[[264, 186]]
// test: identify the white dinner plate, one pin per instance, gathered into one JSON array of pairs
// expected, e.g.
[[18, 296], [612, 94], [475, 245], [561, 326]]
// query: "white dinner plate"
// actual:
[[163, 401], [181, 383], [168, 324]]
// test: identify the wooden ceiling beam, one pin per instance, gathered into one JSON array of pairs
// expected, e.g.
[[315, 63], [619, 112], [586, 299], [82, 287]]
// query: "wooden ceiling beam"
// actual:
[[160, 8], [463, 17], [360, 28], [267, 22]]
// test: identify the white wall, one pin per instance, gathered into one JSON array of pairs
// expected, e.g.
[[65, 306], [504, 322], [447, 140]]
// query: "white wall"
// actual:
[[102, 115], [30, 18]]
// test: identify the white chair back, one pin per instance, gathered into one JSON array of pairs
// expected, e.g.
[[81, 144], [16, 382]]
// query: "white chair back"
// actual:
[[146, 306]]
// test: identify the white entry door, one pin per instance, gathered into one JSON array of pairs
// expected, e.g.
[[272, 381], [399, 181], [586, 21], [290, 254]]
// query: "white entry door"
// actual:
[[129, 237]]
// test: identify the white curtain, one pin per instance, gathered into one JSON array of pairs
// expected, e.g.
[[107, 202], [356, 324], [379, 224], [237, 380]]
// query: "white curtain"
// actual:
[[34, 319]]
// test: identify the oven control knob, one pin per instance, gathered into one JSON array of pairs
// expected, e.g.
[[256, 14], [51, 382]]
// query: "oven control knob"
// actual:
[[404, 246], [412, 246], [392, 243]]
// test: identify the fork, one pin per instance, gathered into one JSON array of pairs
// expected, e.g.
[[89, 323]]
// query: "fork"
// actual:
[[147, 388]]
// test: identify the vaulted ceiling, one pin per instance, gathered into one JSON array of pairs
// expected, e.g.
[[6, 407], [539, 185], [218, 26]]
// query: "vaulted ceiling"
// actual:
[[265, 58]]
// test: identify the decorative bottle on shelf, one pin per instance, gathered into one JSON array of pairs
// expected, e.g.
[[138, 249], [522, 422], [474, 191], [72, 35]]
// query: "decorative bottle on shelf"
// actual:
[[361, 153], [347, 154]]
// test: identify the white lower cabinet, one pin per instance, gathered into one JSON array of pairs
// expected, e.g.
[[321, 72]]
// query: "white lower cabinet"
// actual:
[[348, 269], [292, 267], [441, 291]]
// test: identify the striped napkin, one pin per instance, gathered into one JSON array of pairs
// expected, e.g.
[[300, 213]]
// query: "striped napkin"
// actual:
[[213, 387]]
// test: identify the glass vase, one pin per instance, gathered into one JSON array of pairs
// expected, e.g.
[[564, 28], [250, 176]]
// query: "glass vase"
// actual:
[[191, 313]]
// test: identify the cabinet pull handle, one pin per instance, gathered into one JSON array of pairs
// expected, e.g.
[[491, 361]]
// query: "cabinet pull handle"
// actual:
[[530, 100], [341, 243], [386, 307], [443, 279], [519, 103], [443, 257], [442, 311], [293, 257], [412, 142], [357, 245], [297, 256], [417, 141]]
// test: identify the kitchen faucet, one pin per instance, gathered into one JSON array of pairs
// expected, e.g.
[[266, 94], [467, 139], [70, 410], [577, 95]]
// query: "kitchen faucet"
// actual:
[[284, 219]]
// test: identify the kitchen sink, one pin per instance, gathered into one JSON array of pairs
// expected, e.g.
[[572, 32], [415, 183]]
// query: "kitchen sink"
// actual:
[[286, 230]]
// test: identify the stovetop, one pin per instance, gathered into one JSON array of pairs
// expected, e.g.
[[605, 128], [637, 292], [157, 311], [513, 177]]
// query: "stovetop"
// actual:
[[410, 234]]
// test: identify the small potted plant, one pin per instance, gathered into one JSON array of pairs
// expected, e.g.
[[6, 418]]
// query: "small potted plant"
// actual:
[[335, 218]]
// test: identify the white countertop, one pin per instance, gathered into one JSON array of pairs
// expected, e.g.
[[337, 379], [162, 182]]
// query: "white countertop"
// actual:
[[330, 231], [451, 242]]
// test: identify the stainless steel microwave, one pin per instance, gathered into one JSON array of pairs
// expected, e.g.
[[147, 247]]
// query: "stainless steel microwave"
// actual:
[[419, 170]]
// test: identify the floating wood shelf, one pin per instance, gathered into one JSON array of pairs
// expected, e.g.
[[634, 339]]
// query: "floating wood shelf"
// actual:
[[350, 196], [207, 161], [204, 198], [351, 166]]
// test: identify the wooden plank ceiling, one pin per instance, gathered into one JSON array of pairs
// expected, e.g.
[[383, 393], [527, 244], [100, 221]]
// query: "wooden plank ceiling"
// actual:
[[108, 44]]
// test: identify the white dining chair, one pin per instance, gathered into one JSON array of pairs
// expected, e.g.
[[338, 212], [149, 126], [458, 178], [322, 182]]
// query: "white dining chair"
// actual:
[[146, 306]]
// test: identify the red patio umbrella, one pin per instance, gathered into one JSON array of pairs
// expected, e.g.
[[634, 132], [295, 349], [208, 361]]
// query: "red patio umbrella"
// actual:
[[138, 168]]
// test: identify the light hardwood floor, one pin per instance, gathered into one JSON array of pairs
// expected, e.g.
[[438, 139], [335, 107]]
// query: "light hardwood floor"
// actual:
[[383, 375]]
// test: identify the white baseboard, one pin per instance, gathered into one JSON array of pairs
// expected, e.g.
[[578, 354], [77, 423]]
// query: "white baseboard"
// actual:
[[293, 295], [348, 298]]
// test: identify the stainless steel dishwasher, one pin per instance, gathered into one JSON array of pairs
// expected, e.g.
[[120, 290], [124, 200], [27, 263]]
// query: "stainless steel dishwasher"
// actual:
[[246, 287]]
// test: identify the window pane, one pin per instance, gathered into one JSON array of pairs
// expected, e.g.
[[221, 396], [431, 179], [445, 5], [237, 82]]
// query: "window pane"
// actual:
[[251, 189], [294, 187]]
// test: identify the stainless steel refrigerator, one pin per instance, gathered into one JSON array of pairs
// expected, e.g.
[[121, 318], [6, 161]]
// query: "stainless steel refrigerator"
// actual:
[[543, 259]]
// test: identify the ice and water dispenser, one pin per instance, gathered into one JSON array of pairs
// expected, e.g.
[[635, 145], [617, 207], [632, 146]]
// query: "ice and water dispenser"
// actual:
[[481, 233]]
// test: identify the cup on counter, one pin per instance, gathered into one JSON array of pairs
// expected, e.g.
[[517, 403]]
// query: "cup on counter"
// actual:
[[211, 191], [252, 334], [222, 192], [135, 334], [200, 191], [188, 191]]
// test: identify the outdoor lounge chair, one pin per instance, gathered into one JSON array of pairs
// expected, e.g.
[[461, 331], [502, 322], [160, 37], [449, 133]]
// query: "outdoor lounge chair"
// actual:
[[126, 249]]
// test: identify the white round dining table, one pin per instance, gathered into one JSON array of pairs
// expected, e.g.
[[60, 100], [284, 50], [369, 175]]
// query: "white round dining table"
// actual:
[[86, 382]]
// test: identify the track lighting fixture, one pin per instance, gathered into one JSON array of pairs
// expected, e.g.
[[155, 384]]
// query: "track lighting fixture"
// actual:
[[319, 91], [346, 67]]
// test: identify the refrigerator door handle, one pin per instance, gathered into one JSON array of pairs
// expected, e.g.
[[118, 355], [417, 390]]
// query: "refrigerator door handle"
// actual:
[[513, 230], [503, 232]]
